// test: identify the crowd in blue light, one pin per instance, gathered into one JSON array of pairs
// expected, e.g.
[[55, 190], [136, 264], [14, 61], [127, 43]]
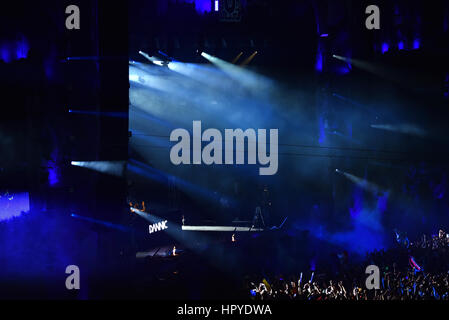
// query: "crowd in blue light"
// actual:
[[401, 276]]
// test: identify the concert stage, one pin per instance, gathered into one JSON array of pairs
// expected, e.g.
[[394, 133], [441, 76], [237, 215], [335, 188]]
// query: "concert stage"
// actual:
[[221, 229]]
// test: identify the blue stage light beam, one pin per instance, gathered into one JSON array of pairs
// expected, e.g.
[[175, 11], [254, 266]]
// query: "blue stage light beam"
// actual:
[[403, 77], [106, 224], [404, 128], [247, 78], [154, 60], [144, 215], [364, 65], [205, 74], [146, 171], [362, 183], [161, 81], [115, 168], [167, 56]]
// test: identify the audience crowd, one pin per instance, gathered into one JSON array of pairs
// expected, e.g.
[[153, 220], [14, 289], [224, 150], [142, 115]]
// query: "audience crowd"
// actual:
[[409, 271]]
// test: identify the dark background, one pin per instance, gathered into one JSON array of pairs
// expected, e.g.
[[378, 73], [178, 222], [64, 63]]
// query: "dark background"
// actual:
[[39, 137]]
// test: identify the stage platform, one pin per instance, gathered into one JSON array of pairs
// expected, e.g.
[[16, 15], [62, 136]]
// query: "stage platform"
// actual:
[[221, 229]]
